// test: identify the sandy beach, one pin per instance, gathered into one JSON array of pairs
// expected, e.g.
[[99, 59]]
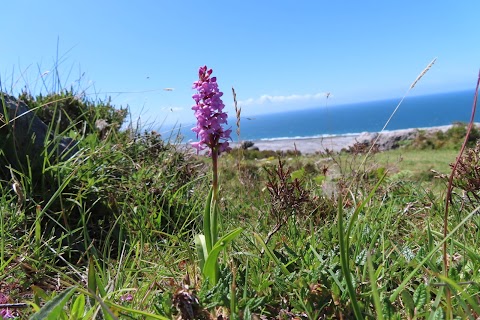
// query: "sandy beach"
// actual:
[[308, 145], [336, 143]]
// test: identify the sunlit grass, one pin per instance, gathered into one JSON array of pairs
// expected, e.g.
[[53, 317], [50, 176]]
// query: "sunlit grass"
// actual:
[[109, 233], [418, 162]]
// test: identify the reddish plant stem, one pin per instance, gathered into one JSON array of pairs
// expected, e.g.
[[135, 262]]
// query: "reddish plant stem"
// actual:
[[450, 186]]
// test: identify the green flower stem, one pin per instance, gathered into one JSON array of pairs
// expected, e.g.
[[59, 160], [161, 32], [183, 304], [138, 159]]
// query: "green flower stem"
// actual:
[[215, 173], [214, 207]]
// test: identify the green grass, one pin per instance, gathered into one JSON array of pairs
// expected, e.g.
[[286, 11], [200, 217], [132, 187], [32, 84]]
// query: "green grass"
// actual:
[[110, 234], [418, 160], [418, 163]]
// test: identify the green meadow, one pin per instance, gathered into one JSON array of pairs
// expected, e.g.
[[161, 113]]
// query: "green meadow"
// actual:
[[110, 233]]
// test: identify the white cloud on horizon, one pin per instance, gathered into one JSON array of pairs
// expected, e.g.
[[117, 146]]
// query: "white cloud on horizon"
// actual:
[[173, 109], [284, 100]]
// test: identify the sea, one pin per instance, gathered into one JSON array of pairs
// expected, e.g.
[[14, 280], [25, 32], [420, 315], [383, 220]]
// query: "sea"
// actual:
[[352, 119]]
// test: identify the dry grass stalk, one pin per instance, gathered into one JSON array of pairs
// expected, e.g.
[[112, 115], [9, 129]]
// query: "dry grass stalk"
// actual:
[[411, 87], [374, 143], [423, 73], [238, 112], [401, 100]]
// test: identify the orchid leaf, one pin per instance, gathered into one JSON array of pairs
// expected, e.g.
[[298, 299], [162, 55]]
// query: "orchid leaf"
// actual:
[[211, 264], [201, 248]]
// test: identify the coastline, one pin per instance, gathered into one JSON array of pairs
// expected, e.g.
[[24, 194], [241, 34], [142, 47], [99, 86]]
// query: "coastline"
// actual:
[[337, 143], [306, 145]]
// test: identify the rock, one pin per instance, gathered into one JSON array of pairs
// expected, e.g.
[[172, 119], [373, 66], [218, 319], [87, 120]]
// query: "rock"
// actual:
[[247, 144], [101, 125], [391, 140], [23, 136], [387, 140], [366, 137]]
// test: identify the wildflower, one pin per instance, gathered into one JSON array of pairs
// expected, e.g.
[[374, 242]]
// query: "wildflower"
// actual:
[[6, 313], [210, 120], [3, 298], [209, 113], [126, 297]]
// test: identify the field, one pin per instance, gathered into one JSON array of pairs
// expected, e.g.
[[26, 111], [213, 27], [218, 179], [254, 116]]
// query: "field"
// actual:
[[127, 229]]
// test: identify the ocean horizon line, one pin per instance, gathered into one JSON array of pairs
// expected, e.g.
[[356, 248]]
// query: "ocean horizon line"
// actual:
[[354, 134], [423, 111]]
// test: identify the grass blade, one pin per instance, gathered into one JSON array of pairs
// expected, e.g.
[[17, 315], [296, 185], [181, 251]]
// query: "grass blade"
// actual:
[[53, 308], [271, 255], [344, 262], [373, 283]]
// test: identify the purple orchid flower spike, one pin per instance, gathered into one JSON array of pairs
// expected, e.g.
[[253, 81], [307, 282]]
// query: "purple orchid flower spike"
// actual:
[[209, 113]]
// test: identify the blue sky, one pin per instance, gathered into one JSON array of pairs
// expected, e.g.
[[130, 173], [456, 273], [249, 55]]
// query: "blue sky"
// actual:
[[279, 55]]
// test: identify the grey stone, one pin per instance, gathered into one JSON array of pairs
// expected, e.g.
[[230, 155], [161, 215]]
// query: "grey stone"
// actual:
[[23, 137], [386, 140]]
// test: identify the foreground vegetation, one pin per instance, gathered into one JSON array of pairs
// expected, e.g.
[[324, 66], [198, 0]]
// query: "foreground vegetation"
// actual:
[[109, 233]]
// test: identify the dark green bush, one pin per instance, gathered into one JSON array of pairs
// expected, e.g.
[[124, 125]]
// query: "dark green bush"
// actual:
[[452, 138], [131, 179], [458, 132], [68, 110]]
